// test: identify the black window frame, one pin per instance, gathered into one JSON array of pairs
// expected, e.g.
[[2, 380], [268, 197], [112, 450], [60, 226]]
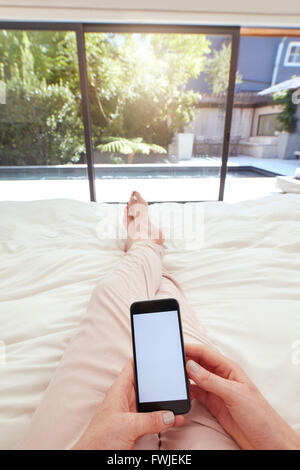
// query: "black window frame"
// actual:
[[81, 28]]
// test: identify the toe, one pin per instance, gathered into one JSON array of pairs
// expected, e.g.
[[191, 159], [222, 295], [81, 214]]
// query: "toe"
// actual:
[[139, 198], [131, 201]]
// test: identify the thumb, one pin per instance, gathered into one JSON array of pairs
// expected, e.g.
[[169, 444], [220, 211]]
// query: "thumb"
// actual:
[[152, 423], [209, 381]]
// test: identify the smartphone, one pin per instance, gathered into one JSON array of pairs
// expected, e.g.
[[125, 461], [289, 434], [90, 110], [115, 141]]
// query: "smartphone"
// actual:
[[159, 359]]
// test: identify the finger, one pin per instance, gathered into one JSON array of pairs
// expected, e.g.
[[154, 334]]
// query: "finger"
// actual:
[[209, 381], [198, 394], [155, 422], [214, 361]]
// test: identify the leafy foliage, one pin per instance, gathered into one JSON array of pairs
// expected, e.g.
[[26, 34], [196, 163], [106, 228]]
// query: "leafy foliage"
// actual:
[[138, 84], [137, 87], [40, 124], [217, 69], [286, 118], [129, 147]]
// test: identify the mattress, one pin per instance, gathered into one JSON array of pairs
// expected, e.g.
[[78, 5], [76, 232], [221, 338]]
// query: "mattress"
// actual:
[[239, 265]]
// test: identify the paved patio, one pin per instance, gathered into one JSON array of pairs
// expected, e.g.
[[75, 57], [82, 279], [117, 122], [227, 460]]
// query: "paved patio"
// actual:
[[281, 167]]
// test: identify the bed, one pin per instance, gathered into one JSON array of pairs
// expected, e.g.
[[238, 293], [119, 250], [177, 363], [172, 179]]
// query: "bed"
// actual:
[[239, 265]]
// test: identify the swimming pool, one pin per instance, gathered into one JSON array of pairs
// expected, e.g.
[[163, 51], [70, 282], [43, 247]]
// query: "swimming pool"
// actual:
[[123, 172]]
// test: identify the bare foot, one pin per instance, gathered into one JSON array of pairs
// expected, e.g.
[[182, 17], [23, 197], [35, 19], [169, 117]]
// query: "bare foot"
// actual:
[[137, 222]]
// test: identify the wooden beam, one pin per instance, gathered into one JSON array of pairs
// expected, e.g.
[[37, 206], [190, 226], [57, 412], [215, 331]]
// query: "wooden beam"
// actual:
[[271, 32]]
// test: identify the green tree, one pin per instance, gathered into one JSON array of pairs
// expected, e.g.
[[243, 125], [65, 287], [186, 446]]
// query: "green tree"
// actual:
[[287, 118], [37, 124], [139, 83], [217, 69], [138, 86], [40, 123]]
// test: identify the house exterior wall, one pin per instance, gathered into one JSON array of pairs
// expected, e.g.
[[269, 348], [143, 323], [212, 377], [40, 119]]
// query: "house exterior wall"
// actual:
[[285, 72], [208, 127], [241, 124], [256, 62], [209, 123]]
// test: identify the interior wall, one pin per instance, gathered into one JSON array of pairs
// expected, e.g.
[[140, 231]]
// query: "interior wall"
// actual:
[[232, 12]]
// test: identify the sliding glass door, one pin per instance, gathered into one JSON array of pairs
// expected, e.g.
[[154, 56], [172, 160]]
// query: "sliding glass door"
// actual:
[[265, 131], [158, 99], [96, 111]]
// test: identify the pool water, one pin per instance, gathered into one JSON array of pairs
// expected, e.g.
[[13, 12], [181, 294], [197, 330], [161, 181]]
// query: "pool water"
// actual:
[[121, 172]]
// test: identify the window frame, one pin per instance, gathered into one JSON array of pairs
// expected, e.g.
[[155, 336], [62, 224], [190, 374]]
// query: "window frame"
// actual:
[[287, 63]]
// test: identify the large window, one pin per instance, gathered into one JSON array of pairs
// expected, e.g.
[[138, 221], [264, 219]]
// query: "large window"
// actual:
[[101, 110]]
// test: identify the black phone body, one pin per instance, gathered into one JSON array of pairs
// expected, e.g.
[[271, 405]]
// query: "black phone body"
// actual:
[[159, 358]]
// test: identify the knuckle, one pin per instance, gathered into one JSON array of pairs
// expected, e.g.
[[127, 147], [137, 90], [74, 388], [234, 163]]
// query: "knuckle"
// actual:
[[156, 421], [206, 376], [241, 391], [236, 370]]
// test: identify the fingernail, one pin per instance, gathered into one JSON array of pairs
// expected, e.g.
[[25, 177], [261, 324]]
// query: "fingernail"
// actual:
[[193, 366], [168, 417]]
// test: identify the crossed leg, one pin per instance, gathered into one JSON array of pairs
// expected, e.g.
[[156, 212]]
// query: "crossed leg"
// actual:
[[98, 352]]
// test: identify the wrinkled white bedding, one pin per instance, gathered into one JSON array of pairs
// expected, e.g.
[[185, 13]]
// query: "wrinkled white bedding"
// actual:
[[240, 269]]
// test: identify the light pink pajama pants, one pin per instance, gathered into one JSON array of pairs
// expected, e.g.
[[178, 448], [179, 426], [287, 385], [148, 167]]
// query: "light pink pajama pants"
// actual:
[[100, 349]]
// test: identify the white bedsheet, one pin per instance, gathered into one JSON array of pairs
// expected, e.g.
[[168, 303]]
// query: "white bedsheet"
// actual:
[[240, 271]]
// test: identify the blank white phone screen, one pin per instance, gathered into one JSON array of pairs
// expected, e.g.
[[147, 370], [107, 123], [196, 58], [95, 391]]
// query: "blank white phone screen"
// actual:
[[159, 361]]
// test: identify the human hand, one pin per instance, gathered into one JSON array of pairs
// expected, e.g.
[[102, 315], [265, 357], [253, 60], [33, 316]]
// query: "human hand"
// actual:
[[226, 391], [117, 425]]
